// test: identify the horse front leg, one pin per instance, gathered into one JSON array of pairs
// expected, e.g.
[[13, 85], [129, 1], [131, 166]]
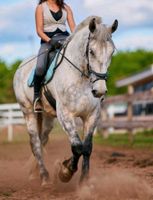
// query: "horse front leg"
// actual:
[[69, 167], [87, 150], [89, 127]]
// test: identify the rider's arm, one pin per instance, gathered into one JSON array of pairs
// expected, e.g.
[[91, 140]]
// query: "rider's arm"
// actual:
[[39, 24], [70, 18]]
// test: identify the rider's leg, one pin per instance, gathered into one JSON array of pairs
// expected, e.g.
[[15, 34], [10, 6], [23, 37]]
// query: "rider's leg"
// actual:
[[39, 75], [37, 93]]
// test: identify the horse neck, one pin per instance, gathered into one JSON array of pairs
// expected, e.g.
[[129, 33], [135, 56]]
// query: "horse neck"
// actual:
[[76, 50], [66, 75]]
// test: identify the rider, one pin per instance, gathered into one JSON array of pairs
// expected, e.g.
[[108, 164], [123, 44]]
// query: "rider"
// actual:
[[51, 17]]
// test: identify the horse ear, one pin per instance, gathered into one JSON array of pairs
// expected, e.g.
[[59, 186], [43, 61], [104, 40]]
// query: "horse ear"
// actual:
[[114, 26], [92, 25]]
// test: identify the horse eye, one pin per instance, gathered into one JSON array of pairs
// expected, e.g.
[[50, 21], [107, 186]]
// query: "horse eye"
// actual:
[[92, 52]]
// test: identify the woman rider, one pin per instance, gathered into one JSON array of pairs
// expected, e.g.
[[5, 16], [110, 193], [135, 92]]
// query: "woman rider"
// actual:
[[51, 17]]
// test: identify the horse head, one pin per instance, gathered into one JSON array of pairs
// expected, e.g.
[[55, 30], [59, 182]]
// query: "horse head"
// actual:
[[99, 51]]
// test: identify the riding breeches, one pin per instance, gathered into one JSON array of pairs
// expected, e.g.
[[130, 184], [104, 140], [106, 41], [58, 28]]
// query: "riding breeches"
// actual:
[[42, 60]]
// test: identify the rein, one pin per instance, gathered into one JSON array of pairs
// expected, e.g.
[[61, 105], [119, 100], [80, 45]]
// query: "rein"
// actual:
[[99, 76], [63, 56]]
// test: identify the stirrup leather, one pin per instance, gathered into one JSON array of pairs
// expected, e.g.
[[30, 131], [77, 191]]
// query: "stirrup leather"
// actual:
[[37, 105]]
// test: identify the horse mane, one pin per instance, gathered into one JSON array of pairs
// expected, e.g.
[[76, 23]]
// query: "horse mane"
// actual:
[[85, 23]]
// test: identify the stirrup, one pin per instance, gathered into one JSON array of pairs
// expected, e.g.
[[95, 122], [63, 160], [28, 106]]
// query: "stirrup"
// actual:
[[37, 107]]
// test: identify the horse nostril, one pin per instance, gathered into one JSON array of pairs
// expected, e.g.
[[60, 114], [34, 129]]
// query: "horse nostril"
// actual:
[[94, 92], [106, 91], [98, 94]]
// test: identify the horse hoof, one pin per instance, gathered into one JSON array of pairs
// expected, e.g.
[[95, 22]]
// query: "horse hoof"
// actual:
[[32, 177], [66, 171], [83, 180], [65, 174], [46, 183], [45, 180]]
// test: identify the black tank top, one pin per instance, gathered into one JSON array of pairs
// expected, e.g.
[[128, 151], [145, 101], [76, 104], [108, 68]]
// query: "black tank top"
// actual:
[[57, 15]]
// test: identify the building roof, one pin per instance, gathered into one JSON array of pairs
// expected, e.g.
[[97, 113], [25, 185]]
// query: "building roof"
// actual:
[[148, 73]]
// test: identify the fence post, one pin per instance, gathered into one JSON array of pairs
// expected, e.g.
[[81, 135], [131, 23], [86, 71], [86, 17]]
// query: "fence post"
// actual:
[[104, 117], [110, 118], [130, 114], [10, 127]]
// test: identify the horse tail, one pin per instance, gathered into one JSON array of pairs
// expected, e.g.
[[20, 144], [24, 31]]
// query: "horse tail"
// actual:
[[39, 124]]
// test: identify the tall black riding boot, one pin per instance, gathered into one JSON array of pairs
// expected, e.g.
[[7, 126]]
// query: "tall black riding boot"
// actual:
[[37, 104]]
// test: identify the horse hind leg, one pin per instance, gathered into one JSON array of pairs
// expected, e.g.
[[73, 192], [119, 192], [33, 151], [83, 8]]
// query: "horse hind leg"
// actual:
[[36, 146], [47, 125]]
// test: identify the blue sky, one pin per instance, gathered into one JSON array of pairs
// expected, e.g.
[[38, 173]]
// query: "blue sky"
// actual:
[[18, 37]]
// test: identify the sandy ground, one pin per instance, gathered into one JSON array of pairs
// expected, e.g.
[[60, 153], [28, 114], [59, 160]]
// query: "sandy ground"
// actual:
[[116, 174]]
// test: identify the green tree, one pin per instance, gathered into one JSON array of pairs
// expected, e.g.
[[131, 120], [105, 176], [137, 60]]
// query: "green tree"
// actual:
[[6, 81], [125, 64]]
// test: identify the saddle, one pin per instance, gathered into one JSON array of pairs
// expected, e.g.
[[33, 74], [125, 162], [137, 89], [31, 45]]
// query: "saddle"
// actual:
[[52, 65], [52, 61]]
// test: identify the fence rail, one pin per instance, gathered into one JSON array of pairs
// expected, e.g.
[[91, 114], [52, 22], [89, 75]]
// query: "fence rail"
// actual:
[[146, 96], [10, 114], [128, 122]]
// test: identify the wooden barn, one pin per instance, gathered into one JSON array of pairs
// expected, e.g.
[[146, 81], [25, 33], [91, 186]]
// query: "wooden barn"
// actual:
[[140, 82], [134, 109]]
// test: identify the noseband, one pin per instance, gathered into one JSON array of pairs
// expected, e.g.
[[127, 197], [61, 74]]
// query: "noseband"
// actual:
[[99, 76]]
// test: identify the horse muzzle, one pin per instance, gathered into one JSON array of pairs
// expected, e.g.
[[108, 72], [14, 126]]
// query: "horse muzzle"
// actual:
[[98, 94]]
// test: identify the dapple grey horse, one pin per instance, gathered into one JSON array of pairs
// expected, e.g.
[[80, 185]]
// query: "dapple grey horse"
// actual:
[[78, 86]]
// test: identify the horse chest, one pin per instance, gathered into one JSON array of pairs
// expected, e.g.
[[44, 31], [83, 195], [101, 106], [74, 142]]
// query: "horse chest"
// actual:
[[78, 100]]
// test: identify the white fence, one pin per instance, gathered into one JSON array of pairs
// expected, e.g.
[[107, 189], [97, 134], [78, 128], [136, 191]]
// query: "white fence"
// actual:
[[10, 114]]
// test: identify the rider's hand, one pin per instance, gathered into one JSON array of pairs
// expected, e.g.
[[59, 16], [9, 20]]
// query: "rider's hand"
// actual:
[[54, 44]]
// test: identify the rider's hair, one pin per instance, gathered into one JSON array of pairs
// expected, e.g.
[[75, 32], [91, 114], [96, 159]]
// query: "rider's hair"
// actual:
[[60, 3]]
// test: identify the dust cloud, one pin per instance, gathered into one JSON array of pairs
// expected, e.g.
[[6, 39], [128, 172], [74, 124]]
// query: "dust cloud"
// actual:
[[115, 185]]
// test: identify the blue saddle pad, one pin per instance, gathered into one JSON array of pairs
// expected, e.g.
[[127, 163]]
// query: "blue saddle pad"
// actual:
[[50, 72]]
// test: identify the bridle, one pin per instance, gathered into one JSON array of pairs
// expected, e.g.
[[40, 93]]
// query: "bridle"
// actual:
[[99, 76]]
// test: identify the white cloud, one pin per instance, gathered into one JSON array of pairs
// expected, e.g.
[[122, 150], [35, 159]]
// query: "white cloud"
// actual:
[[128, 12], [17, 21], [134, 41], [12, 51], [91, 3]]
